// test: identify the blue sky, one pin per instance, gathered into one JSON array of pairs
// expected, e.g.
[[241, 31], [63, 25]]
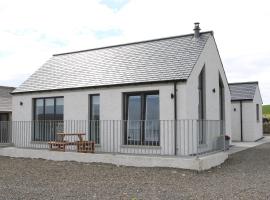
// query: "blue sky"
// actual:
[[29, 35], [116, 5]]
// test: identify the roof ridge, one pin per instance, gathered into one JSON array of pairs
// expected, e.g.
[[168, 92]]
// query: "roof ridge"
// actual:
[[130, 43], [3, 86], [248, 82]]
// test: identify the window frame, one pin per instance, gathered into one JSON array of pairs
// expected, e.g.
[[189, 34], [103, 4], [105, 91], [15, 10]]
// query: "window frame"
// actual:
[[143, 95], [44, 105], [222, 105], [202, 105], [258, 112], [43, 98], [90, 117]]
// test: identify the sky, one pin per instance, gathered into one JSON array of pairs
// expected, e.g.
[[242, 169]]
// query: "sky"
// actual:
[[31, 31]]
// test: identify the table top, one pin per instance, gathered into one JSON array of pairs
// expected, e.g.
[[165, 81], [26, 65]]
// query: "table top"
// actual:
[[71, 133]]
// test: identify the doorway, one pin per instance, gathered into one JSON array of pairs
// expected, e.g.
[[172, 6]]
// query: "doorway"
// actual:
[[4, 127]]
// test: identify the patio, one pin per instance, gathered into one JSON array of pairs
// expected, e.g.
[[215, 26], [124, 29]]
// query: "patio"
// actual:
[[194, 163], [188, 144], [156, 137]]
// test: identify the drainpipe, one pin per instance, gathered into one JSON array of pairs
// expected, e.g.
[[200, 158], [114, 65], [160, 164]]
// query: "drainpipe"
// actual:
[[175, 118], [241, 121]]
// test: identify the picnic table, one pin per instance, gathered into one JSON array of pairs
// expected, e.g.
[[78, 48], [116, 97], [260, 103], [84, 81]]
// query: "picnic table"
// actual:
[[82, 145], [63, 135]]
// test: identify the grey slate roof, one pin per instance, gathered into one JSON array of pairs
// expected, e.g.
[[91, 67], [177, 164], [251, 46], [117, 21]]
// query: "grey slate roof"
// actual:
[[5, 98], [243, 91], [157, 60]]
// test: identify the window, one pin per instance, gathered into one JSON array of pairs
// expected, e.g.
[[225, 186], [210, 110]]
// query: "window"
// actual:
[[258, 112], [94, 118], [201, 106], [221, 105], [48, 118], [141, 115], [4, 128]]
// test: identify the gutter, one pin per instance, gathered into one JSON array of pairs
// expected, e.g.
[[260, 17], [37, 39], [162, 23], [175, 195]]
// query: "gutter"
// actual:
[[98, 86]]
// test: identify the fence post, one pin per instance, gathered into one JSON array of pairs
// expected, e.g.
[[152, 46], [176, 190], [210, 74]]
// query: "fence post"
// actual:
[[198, 138], [224, 137], [175, 137], [113, 139]]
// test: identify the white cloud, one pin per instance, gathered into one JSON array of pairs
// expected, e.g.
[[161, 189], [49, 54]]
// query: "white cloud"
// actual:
[[31, 30]]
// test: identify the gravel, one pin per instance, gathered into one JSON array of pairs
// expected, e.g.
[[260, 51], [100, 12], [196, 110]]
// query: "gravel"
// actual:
[[245, 175]]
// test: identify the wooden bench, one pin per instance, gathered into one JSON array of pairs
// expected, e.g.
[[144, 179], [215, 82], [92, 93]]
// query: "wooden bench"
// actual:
[[86, 146], [82, 145], [57, 145]]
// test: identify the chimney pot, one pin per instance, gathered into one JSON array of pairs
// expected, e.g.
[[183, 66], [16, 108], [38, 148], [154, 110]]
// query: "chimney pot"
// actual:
[[197, 30]]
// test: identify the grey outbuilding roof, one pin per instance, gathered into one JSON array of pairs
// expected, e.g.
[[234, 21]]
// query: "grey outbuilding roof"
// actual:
[[6, 98], [243, 91], [158, 60]]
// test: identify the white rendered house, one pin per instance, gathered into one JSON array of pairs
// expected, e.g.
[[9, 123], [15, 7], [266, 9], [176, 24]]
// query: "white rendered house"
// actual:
[[171, 94]]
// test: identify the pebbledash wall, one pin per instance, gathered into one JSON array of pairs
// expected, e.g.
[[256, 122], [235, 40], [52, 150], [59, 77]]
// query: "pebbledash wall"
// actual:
[[76, 102], [252, 129]]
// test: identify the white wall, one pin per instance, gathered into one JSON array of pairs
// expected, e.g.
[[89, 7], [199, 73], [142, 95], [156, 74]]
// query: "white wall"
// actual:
[[213, 67], [111, 108], [76, 102], [236, 121], [188, 99], [252, 129], [258, 124]]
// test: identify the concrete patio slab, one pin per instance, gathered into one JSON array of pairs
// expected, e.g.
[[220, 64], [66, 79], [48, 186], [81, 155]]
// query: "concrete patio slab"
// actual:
[[240, 146], [193, 163]]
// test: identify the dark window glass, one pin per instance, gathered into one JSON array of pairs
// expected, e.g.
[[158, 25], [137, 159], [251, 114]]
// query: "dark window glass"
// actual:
[[95, 107], [59, 115], [152, 118], [94, 117], [49, 109], [48, 118], [258, 112], [4, 128], [201, 107], [221, 106], [4, 117], [201, 94], [142, 118], [134, 118], [59, 109], [39, 115]]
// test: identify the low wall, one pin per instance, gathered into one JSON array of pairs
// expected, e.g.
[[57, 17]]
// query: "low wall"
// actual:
[[193, 163]]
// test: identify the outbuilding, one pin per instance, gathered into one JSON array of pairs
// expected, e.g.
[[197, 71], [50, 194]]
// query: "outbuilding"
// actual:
[[246, 111], [5, 112]]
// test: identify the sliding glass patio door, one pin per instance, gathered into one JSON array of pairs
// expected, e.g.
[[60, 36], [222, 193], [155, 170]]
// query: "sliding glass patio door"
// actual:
[[142, 118]]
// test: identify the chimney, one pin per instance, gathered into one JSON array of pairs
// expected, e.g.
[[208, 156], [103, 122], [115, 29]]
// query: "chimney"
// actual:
[[197, 30]]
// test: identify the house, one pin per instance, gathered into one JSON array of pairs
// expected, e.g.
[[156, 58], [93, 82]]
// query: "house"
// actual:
[[5, 112], [246, 111], [167, 96]]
